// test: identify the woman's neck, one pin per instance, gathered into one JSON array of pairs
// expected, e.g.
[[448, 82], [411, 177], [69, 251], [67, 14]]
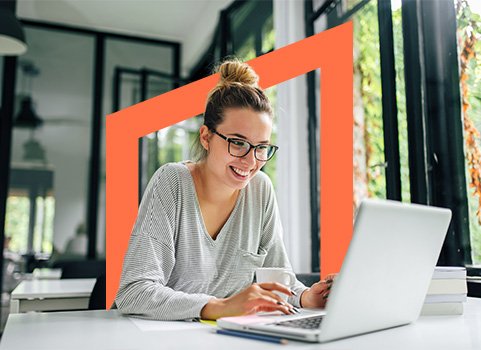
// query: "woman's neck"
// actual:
[[208, 187]]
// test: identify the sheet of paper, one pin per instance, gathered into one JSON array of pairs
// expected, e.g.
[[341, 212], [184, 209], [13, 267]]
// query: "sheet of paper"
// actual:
[[209, 323], [150, 325]]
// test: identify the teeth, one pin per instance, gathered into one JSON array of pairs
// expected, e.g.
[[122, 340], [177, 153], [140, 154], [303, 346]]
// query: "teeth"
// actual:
[[240, 172]]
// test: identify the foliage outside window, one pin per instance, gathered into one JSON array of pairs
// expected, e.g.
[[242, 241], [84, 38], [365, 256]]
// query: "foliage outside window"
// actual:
[[174, 143], [469, 47], [369, 161], [247, 51], [17, 224], [369, 177]]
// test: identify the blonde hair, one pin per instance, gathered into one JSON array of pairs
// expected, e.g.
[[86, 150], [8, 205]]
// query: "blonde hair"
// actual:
[[237, 88]]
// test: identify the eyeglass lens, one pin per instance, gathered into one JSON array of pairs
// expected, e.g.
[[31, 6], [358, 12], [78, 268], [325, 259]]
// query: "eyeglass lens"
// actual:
[[239, 148]]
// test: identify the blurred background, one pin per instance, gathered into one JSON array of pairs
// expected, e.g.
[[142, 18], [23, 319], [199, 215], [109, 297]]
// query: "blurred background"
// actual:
[[417, 113]]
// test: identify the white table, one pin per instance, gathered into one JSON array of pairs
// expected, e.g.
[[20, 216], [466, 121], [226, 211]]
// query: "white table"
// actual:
[[47, 274], [52, 295], [109, 330]]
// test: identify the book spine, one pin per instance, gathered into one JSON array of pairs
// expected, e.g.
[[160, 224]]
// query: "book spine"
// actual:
[[449, 272], [445, 298], [442, 309], [448, 286]]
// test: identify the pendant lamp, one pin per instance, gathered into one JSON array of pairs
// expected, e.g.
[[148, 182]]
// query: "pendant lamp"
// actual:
[[12, 36]]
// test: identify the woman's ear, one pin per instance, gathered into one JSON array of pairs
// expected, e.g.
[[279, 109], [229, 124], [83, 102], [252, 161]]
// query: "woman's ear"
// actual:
[[204, 135]]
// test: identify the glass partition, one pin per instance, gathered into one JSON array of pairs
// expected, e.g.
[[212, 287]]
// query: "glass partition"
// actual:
[[46, 205], [129, 59]]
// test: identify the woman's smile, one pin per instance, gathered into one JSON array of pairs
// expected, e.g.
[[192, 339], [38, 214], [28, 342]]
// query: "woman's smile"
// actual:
[[239, 173]]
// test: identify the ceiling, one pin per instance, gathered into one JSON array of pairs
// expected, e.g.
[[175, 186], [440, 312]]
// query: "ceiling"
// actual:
[[189, 22]]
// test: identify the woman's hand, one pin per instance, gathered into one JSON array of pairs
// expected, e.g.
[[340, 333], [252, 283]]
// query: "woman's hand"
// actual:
[[317, 295], [257, 297]]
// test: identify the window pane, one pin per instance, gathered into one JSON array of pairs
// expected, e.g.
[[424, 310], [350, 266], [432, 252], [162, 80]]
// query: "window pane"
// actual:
[[369, 163], [271, 165], [131, 55], [52, 160], [251, 38], [16, 223], [252, 22], [401, 99], [268, 35], [469, 48]]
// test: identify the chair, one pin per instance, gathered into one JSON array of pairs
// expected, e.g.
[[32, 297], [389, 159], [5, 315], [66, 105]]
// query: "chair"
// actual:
[[308, 279], [81, 268], [97, 298]]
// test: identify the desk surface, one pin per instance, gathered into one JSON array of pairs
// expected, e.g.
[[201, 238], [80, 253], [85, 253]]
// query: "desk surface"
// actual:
[[81, 287], [47, 274], [109, 330]]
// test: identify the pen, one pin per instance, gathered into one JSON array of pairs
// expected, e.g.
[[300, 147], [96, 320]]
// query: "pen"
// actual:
[[267, 338]]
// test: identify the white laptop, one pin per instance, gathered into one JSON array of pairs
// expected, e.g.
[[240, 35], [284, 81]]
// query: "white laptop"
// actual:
[[383, 280]]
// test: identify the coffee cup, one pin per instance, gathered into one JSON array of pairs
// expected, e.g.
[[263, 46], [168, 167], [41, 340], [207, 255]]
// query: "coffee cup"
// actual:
[[276, 274]]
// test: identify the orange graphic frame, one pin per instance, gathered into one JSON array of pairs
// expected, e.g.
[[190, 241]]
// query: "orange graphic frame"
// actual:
[[329, 51]]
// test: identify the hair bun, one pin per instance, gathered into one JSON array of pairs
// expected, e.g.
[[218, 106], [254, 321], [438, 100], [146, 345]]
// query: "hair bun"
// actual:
[[234, 72]]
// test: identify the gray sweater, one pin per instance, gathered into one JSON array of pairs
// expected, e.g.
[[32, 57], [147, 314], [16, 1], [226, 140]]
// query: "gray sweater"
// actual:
[[173, 267]]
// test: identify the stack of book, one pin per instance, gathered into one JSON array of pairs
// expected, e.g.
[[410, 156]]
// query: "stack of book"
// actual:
[[447, 292]]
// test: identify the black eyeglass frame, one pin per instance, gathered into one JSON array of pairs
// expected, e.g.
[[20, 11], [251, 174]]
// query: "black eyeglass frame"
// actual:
[[251, 146]]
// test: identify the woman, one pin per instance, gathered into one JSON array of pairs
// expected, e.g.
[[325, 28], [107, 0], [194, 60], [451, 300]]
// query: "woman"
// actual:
[[204, 227]]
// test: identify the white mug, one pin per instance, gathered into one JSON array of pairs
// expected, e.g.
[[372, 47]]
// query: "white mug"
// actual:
[[276, 274]]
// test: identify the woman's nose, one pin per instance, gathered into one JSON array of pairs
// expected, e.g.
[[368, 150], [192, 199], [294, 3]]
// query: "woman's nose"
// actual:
[[249, 158]]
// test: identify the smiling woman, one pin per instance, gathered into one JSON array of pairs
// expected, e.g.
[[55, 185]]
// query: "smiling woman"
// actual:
[[204, 227]]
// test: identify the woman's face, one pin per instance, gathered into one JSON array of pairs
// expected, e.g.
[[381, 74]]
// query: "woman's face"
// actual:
[[241, 123]]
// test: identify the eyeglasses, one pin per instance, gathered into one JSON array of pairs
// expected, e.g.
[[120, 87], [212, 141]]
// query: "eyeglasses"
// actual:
[[240, 148]]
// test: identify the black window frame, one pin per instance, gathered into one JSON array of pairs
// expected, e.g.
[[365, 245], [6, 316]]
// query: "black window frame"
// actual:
[[435, 134]]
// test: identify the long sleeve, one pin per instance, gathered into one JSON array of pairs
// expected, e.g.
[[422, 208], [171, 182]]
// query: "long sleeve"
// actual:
[[272, 240], [151, 257]]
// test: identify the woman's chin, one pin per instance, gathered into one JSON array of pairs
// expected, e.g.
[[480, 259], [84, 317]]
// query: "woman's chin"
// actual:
[[238, 181]]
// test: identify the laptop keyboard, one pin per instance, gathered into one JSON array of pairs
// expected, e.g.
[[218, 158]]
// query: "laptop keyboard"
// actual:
[[305, 323]]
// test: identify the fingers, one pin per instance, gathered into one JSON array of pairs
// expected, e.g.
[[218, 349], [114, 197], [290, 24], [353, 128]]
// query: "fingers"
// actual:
[[273, 295], [266, 303], [327, 291], [327, 283], [329, 280], [325, 294], [321, 286], [276, 286], [258, 297], [331, 277]]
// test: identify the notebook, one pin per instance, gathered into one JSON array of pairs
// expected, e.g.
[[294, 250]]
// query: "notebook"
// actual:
[[383, 280]]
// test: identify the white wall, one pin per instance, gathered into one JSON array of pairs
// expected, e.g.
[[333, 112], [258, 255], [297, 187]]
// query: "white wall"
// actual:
[[292, 162]]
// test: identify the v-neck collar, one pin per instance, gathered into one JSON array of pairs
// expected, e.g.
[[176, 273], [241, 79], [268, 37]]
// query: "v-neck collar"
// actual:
[[221, 233]]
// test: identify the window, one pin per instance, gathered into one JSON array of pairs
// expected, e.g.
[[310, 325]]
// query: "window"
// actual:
[[469, 49], [135, 72], [50, 162], [18, 220], [251, 39], [369, 161], [249, 33], [408, 133], [16, 224]]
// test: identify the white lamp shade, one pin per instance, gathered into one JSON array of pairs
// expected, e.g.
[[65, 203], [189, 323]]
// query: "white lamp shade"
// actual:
[[12, 37], [11, 47]]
